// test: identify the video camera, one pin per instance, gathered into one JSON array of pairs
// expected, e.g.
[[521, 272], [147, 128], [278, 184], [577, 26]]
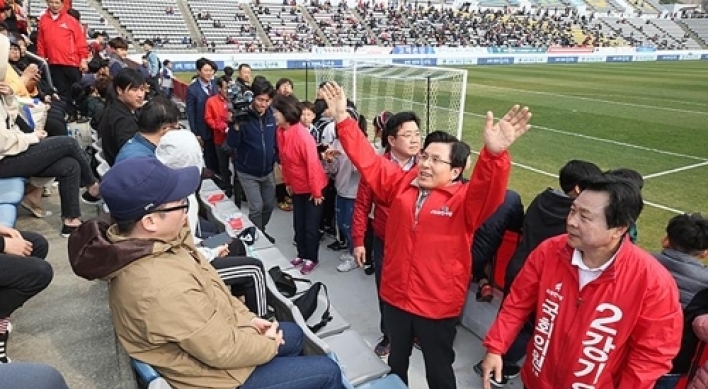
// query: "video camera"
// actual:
[[241, 99]]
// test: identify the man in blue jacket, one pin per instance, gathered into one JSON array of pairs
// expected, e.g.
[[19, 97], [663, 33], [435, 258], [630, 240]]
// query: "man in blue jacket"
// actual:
[[197, 94], [253, 140]]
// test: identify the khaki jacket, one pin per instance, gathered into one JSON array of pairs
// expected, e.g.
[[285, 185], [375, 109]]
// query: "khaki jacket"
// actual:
[[171, 310]]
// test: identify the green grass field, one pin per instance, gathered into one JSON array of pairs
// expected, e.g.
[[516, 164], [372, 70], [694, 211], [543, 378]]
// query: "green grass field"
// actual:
[[649, 116]]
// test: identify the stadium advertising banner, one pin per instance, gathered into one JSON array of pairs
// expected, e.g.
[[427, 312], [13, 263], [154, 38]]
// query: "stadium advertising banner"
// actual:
[[646, 49], [458, 57], [418, 50], [416, 61], [495, 61], [619, 58], [191, 66], [645, 58], [563, 59], [530, 59], [316, 64]]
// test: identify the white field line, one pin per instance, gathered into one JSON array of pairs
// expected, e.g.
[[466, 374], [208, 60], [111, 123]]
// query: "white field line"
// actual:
[[568, 133], [683, 102], [678, 169], [549, 174], [653, 107]]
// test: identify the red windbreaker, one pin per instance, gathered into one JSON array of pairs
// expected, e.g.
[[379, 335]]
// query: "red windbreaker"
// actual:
[[61, 41], [216, 114], [300, 164], [362, 209], [427, 264], [620, 332]]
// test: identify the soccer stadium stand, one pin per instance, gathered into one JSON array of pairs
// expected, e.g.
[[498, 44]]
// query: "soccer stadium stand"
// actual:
[[341, 26], [604, 6], [286, 26], [228, 25], [698, 27], [151, 20], [643, 32], [675, 31]]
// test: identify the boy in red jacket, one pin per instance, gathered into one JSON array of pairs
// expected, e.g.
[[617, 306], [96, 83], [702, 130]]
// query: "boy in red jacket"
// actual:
[[432, 216], [217, 117]]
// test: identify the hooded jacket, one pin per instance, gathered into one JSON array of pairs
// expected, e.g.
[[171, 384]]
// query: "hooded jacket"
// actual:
[[692, 279], [545, 218], [621, 331], [169, 307]]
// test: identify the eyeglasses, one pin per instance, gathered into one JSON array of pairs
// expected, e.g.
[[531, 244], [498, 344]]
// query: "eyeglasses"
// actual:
[[184, 207], [408, 135], [434, 159]]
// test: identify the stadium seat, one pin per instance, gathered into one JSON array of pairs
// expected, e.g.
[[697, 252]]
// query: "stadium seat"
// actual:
[[391, 381], [357, 359]]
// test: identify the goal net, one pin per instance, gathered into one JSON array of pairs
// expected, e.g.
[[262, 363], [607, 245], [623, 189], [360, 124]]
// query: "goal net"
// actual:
[[436, 95]]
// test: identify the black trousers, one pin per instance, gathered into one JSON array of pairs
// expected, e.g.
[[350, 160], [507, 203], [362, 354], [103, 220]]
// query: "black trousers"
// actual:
[[64, 77], [328, 206], [246, 277], [211, 161], [306, 217], [223, 157], [21, 278], [436, 337]]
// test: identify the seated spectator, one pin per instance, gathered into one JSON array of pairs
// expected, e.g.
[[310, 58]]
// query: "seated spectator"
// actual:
[[119, 120], [245, 276], [31, 155], [23, 274], [156, 118], [169, 307], [96, 100], [118, 53], [685, 246]]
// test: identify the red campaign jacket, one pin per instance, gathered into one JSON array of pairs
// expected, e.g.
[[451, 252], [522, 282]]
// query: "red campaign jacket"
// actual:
[[362, 209], [300, 163], [620, 332], [61, 41], [216, 114], [427, 264]]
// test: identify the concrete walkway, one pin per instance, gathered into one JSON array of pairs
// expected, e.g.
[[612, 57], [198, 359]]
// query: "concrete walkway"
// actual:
[[68, 325]]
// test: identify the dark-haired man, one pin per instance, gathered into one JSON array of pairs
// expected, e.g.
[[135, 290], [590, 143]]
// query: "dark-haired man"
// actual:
[[119, 121], [607, 315], [401, 136], [156, 118], [685, 245], [545, 218], [253, 140], [197, 94], [427, 264]]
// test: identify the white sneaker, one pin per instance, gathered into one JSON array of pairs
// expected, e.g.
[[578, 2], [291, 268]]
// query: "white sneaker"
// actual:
[[348, 265], [345, 257]]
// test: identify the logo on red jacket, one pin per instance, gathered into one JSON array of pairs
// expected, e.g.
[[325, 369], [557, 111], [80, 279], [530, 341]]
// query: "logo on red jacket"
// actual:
[[544, 327], [444, 211]]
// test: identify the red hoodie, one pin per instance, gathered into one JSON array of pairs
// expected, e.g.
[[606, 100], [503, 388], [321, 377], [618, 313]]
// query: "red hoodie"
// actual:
[[61, 41], [216, 113], [301, 166], [621, 331], [427, 261]]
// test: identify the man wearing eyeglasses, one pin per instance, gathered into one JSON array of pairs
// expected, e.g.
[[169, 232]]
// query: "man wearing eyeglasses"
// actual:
[[169, 306], [432, 216]]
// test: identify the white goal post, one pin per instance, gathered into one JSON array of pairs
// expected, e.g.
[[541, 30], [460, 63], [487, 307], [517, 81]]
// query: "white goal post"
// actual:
[[437, 95]]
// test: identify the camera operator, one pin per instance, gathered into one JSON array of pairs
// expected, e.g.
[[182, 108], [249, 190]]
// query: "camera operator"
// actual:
[[252, 138], [243, 81]]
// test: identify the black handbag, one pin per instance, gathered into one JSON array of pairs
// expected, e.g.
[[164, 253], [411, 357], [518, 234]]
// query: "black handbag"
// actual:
[[307, 304], [284, 282]]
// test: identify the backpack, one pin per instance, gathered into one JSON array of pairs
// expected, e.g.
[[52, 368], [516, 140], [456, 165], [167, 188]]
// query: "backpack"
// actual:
[[307, 304]]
